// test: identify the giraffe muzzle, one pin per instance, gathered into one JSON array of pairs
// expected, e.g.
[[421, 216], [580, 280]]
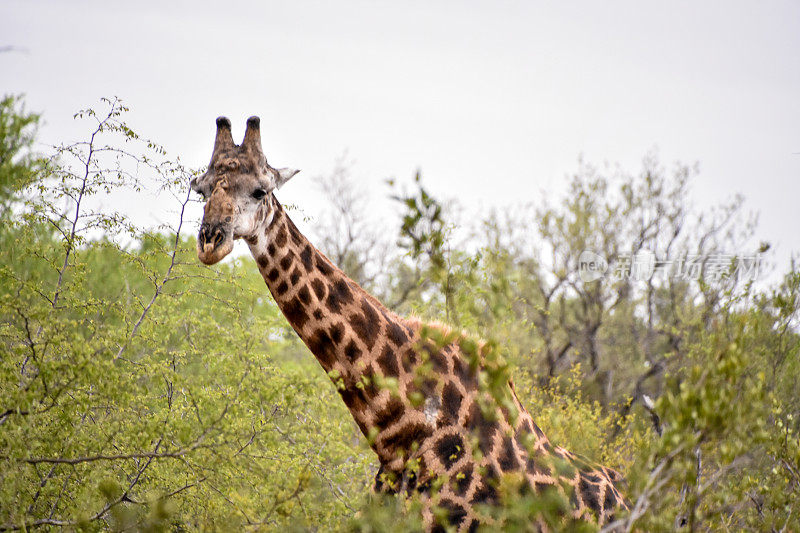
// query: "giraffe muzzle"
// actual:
[[213, 243]]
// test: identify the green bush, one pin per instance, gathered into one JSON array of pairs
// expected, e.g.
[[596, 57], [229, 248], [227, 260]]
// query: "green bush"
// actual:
[[141, 390]]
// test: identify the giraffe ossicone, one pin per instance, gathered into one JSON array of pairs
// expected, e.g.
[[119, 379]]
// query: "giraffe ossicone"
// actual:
[[438, 423]]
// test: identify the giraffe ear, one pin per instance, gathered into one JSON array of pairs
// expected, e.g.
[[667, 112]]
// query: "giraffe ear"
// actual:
[[284, 175]]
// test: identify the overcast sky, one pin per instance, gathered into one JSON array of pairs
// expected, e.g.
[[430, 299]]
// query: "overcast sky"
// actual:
[[494, 101]]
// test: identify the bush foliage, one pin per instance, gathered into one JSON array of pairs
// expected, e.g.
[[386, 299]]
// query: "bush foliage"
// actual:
[[141, 390]]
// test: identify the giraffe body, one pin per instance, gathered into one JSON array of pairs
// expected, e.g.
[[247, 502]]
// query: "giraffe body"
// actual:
[[429, 427]]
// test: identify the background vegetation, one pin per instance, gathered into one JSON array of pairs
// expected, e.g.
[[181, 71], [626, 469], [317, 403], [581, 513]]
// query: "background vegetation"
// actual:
[[141, 390]]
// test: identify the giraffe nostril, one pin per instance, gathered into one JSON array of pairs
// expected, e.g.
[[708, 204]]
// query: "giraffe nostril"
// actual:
[[213, 235]]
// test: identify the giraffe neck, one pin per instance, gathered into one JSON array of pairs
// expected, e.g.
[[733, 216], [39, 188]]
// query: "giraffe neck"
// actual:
[[360, 344], [352, 335]]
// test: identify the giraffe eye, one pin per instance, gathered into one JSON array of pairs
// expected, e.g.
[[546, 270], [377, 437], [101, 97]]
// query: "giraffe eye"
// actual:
[[258, 194]]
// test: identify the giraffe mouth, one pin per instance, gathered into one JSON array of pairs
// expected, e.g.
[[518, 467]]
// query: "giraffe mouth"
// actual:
[[214, 242]]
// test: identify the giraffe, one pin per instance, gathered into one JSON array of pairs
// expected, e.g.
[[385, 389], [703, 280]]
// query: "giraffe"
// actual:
[[436, 431]]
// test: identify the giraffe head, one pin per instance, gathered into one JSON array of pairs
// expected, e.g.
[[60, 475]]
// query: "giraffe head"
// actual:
[[236, 189]]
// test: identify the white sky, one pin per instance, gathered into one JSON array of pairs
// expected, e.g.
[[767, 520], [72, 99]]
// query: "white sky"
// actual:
[[494, 101]]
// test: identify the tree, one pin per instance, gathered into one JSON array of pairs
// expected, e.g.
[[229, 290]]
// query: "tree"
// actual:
[[699, 344], [347, 234], [18, 163], [139, 389]]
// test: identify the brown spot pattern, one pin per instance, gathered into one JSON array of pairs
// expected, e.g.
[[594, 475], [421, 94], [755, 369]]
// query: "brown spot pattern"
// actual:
[[348, 331]]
